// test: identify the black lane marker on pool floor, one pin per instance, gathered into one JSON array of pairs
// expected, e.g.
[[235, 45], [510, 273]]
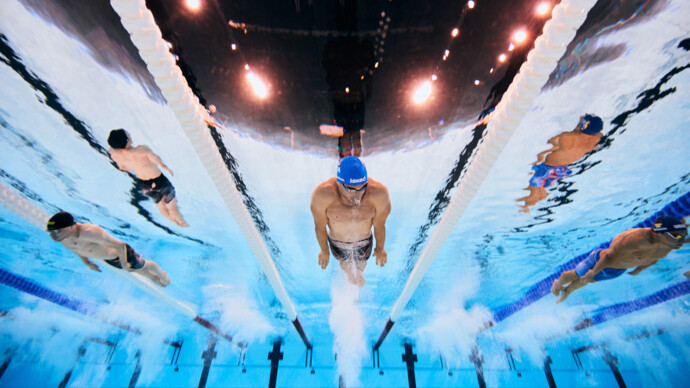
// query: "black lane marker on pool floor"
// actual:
[[275, 356], [547, 371], [11, 59], [477, 359], [137, 371], [409, 358], [208, 357], [612, 362]]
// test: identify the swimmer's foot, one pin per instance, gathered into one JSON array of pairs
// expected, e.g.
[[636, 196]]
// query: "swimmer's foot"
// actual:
[[164, 281], [182, 224], [556, 288], [361, 281]]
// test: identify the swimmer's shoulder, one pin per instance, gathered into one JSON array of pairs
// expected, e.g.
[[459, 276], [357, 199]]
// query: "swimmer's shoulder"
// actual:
[[377, 189], [325, 192]]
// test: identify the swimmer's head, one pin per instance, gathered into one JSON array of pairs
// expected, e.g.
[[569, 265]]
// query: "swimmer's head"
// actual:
[[59, 221], [57, 225], [351, 171], [118, 139], [663, 224], [590, 124]]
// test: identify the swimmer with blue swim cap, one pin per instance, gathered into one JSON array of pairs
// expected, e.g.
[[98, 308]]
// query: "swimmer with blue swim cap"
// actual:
[[638, 248], [567, 148], [345, 209]]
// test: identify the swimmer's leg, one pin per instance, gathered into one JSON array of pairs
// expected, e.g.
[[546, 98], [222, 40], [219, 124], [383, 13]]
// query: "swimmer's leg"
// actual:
[[357, 144], [536, 194], [345, 145], [175, 214], [163, 209], [574, 285], [360, 265], [566, 278], [152, 271], [346, 266]]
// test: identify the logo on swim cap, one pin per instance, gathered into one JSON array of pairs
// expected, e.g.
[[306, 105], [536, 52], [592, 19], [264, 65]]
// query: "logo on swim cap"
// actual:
[[351, 171], [664, 224]]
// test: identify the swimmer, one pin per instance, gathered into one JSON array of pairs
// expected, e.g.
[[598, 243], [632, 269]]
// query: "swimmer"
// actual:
[[552, 164], [89, 240], [350, 204], [144, 164], [637, 247]]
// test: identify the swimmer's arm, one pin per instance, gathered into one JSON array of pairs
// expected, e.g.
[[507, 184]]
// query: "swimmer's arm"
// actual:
[[639, 269], [555, 141], [156, 159], [383, 210], [98, 235], [89, 263], [318, 210]]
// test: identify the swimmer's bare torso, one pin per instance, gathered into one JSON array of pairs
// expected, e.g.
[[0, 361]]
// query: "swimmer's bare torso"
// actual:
[[140, 160], [93, 242]]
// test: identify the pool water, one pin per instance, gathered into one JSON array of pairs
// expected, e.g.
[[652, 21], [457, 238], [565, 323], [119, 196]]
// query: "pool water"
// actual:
[[60, 99]]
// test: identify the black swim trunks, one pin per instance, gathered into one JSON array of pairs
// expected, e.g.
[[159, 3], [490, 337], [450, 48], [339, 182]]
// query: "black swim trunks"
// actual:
[[359, 250], [135, 261], [158, 188]]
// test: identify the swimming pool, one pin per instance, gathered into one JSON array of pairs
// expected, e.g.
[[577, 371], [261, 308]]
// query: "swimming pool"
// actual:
[[62, 323]]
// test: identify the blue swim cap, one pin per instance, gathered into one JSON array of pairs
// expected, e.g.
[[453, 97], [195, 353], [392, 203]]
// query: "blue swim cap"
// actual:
[[590, 124], [664, 224], [351, 171]]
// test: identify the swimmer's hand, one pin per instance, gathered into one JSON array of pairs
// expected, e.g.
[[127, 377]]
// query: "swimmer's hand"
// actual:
[[324, 256], [93, 267], [381, 256], [589, 276], [687, 274]]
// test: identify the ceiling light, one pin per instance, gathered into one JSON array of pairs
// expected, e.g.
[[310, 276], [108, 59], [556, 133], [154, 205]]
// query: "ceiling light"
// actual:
[[193, 4], [520, 36], [257, 85], [455, 32], [470, 4], [502, 58], [543, 9], [422, 93]]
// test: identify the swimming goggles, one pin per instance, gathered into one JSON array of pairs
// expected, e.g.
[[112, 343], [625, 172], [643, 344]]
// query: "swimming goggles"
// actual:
[[675, 236], [353, 190]]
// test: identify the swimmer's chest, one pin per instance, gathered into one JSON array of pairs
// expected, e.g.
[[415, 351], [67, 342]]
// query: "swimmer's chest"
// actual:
[[339, 213]]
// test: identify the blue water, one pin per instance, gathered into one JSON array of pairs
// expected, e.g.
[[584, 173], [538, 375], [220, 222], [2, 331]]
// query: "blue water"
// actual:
[[59, 102]]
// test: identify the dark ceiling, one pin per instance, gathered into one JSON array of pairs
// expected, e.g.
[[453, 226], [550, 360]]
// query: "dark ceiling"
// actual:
[[309, 51]]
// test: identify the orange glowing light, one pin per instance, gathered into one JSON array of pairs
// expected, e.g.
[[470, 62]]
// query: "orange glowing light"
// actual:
[[543, 9], [520, 36], [193, 4], [257, 85], [502, 58], [455, 32], [423, 92]]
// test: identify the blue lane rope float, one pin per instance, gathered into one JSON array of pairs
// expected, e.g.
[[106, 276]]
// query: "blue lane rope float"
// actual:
[[30, 287], [608, 313], [680, 208]]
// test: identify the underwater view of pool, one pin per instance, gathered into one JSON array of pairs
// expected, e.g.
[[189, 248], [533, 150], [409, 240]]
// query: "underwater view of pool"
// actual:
[[484, 227]]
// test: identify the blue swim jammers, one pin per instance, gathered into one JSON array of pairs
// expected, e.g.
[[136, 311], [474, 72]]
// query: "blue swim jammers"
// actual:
[[591, 261], [546, 176]]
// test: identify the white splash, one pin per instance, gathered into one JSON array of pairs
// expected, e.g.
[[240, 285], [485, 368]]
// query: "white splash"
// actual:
[[347, 325]]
